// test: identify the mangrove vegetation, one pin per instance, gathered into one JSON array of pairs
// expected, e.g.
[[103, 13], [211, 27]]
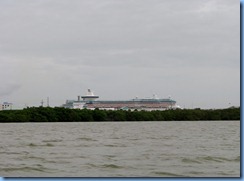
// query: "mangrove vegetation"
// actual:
[[57, 114]]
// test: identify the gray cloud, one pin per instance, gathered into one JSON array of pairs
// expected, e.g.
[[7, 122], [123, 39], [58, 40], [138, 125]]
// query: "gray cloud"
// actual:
[[8, 89], [59, 48]]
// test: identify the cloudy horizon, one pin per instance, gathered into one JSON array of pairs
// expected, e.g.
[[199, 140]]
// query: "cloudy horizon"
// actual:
[[188, 50]]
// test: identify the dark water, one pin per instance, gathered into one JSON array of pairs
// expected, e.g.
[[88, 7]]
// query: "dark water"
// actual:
[[121, 149]]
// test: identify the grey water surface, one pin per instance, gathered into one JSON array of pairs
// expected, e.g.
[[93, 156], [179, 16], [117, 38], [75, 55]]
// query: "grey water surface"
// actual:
[[120, 149]]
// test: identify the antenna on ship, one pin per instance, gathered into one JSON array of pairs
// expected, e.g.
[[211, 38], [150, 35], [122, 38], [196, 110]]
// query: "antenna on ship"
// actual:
[[47, 101], [42, 102], [155, 96], [78, 98]]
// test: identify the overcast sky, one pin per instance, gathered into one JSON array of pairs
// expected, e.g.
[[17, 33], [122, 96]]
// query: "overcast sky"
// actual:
[[186, 49]]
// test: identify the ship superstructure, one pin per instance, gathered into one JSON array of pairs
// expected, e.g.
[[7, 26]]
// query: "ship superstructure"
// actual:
[[89, 101]]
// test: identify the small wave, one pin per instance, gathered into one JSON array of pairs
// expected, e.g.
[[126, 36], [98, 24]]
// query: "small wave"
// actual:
[[86, 139], [210, 159], [111, 166], [32, 144], [228, 173], [187, 160], [217, 159], [33, 157], [109, 156], [237, 159], [167, 174], [196, 173], [133, 139], [110, 145], [116, 138], [117, 145], [11, 153], [35, 145], [47, 141], [90, 165], [25, 169]]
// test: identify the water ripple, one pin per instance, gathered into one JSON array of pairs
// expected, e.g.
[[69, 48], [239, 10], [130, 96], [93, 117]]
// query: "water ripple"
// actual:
[[137, 149]]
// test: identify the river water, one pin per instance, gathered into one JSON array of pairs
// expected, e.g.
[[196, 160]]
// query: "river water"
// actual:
[[120, 149]]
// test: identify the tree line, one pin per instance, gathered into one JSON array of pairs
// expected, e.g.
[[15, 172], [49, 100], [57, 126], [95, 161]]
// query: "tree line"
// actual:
[[58, 114]]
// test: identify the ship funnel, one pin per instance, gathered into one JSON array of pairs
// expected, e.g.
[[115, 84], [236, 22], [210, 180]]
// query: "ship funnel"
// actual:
[[79, 98]]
